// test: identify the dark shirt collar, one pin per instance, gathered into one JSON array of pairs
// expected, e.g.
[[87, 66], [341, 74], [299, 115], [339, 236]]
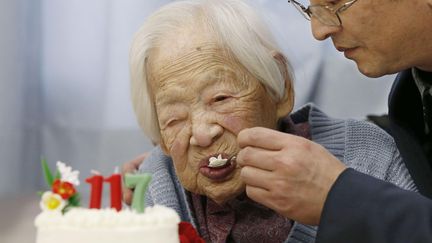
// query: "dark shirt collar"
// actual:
[[405, 104], [423, 81]]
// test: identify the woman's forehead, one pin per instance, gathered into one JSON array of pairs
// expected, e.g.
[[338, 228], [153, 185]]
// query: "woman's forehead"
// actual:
[[194, 83], [165, 57], [201, 63]]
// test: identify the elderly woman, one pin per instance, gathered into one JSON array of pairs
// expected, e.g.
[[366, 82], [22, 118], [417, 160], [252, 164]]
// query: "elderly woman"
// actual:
[[201, 72]]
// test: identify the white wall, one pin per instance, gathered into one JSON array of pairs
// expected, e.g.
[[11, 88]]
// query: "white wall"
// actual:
[[12, 95], [64, 82]]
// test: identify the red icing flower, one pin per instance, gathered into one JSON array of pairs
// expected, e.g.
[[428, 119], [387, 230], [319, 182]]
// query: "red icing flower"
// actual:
[[188, 234], [63, 188]]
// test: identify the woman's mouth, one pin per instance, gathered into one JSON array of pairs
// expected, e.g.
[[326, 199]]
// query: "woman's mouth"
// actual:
[[218, 167]]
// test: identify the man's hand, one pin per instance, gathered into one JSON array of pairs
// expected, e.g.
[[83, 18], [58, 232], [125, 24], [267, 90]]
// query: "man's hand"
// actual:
[[131, 167], [287, 173]]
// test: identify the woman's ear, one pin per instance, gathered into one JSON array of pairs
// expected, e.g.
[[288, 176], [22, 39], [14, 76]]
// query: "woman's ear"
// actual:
[[164, 147], [286, 104]]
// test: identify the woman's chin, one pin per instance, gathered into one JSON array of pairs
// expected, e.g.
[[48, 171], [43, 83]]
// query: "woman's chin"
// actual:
[[223, 197], [219, 192]]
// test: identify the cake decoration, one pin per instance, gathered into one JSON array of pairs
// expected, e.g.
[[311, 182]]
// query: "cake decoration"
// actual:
[[188, 234], [140, 183], [63, 194], [63, 220], [115, 181], [96, 186]]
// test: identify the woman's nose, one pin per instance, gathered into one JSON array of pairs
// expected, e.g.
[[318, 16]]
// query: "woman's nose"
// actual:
[[204, 135], [321, 31]]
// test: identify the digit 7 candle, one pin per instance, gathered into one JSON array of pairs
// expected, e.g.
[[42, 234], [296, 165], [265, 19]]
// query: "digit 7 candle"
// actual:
[[140, 183], [96, 189]]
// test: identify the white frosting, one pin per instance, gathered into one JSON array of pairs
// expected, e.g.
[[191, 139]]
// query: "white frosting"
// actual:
[[81, 225], [217, 162]]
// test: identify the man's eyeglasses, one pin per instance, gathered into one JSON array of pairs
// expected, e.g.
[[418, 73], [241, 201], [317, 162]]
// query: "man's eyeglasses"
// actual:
[[325, 14]]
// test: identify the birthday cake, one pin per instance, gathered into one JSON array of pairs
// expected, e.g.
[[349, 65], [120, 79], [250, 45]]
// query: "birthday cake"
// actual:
[[156, 224], [63, 220]]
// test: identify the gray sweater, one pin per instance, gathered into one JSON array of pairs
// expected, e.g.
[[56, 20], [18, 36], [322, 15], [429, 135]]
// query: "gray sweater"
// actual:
[[360, 145]]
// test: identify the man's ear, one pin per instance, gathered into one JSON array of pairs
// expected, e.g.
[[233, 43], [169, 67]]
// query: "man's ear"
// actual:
[[286, 104]]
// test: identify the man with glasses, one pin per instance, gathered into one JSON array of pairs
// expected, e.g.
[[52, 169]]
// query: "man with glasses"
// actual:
[[311, 186]]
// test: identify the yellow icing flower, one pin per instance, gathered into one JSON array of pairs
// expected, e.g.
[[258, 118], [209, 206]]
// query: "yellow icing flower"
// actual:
[[52, 202]]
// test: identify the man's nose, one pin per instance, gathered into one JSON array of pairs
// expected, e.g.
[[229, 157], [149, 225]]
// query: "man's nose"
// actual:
[[204, 134], [321, 31]]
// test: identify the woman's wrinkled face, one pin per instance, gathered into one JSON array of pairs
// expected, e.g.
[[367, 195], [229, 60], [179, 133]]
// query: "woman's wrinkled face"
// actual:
[[203, 100]]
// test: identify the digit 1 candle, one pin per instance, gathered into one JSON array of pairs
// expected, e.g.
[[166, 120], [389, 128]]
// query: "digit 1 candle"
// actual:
[[96, 189], [116, 191], [140, 183]]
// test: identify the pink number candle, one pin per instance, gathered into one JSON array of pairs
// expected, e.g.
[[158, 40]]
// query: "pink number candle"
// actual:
[[116, 191], [96, 190]]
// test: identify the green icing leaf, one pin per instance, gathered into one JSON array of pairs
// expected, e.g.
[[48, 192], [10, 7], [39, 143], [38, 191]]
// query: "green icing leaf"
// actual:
[[65, 209], [47, 173], [57, 175], [75, 200]]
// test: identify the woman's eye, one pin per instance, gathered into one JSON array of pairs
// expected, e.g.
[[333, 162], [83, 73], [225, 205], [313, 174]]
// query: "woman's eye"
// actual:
[[172, 122], [220, 98], [332, 3]]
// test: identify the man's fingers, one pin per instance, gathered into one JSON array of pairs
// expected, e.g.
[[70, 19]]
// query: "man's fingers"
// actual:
[[133, 165], [256, 177], [256, 157], [127, 196], [262, 138], [138, 161], [258, 194]]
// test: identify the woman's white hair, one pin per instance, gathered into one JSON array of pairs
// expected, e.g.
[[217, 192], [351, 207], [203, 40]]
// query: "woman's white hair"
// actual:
[[237, 28]]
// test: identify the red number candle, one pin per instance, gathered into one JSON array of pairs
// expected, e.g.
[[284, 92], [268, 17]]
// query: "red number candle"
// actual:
[[96, 189], [116, 190]]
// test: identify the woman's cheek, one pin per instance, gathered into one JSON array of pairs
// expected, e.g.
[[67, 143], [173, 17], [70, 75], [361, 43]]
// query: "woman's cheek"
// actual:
[[235, 123], [177, 146], [232, 123], [170, 135], [166, 139]]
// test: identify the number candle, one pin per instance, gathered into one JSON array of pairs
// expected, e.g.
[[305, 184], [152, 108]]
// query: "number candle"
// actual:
[[140, 183], [116, 190], [96, 189]]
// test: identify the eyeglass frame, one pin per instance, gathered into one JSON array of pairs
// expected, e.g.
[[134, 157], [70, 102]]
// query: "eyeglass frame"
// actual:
[[307, 13]]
